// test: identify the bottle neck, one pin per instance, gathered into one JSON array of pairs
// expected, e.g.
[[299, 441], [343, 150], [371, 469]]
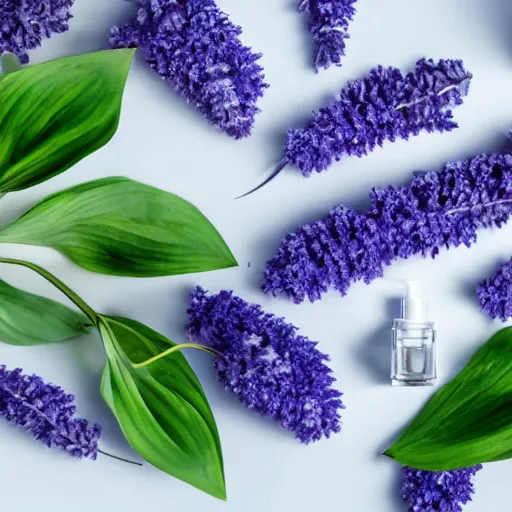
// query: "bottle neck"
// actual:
[[414, 310]]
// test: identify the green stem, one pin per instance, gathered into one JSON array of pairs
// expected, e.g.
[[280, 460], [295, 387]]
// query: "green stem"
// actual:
[[68, 292], [210, 351]]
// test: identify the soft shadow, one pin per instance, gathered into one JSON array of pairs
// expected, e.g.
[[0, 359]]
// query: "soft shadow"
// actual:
[[91, 39], [462, 360], [375, 352], [395, 495], [393, 437], [498, 13]]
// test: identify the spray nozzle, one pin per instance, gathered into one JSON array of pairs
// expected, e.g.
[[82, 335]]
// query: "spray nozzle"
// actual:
[[413, 289], [414, 307]]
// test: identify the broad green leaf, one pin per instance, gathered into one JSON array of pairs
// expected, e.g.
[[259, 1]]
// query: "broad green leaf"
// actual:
[[54, 114], [122, 227], [27, 319], [9, 63], [162, 409], [469, 420]]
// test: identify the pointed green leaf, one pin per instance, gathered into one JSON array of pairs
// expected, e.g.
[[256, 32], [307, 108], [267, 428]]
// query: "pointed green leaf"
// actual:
[[54, 114], [162, 409], [27, 319], [469, 420], [122, 227]]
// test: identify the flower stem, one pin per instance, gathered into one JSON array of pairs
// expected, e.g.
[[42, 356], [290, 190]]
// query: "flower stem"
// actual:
[[482, 205], [119, 458], [282, 164], [176, 348], [425, 98], [68, 292]]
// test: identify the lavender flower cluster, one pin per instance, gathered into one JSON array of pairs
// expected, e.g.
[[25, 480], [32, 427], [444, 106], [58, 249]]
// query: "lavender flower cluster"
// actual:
[[46, 411], [495, 293], [328, 22], [438, 209], [385, 105], [267, 365], [24, 24], [432, 491], [193, 45]]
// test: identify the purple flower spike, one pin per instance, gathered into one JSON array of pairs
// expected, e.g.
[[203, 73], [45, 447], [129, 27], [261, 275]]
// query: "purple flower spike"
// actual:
[[383, 106], [25, 23], [328, 22], [438, 209], [46, 412], [495, 293], [192, 45], [432, 491], [267, 365]]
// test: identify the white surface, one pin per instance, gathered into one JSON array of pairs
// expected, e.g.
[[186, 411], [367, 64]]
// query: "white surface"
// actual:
[[164, 142]]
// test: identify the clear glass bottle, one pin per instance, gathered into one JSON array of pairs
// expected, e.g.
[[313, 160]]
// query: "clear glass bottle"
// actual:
[[414, 342]]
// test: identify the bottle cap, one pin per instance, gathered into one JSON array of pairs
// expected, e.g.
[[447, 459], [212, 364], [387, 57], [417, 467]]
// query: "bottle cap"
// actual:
[[414, 307]]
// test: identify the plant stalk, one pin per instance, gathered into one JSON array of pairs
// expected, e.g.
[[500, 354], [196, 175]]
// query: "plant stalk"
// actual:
[[68, 292], [176, 348]]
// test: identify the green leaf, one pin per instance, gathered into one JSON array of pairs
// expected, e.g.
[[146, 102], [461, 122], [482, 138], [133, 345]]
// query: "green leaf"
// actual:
[[469, 420], [162, 409], [57, 113], [10, 63], [27, 319], [122, 227]]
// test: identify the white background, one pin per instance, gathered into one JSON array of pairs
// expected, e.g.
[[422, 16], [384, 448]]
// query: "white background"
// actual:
[[164, 142]]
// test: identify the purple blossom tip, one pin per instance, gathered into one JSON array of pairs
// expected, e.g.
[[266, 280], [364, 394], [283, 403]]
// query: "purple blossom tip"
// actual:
[[329, 21], [495, 293], [267, 365], [383, 106], [25, 23], [435, 210], [433, 491], [192, 45], [46, 411]]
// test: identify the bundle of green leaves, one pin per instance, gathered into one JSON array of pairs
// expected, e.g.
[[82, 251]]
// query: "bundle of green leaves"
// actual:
[[53, 115]]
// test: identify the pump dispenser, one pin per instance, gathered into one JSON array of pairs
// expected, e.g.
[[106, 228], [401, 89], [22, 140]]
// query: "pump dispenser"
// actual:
[[413, 351]]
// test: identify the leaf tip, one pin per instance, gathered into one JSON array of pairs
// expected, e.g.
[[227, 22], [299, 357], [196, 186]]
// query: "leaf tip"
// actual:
[[388, 453], [222, 495]]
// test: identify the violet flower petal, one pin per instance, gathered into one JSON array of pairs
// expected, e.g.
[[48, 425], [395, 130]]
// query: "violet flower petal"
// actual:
[[192, 45], [384, 106], [25, 23], [436, 210], [267, 365], [329, 21], [46, 412], [438, 491], [495, 293]]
